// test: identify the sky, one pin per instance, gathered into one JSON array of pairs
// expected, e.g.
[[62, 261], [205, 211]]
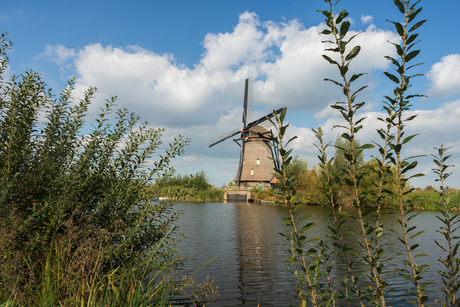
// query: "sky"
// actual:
[[181, 65]]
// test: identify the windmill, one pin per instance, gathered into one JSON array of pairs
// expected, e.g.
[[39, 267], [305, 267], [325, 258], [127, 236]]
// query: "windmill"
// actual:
[[255, 165]]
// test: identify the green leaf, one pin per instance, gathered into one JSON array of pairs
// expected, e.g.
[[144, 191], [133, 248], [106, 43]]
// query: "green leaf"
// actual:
[[410, 118], [307, 226], [416, 235], [355, 77], [343, 14], [417, 25], [352, 54], [391, 77], [399, 28], [407, 139], [411, 55], [338, 107], [297, 207], [344, 28], [411, 38], [325, 13], [366, 146], [335, 82], [283, 114], [359, 90], [330, 60], [413, 14], [288, 222], [409, 167], [400, 6]]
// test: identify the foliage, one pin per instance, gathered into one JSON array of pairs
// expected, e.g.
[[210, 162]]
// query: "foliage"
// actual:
[[345, 179], [65, 190], [396, 107], [303, 260], [429, 199], [450, 278], [198, 181], [370, 183], [269, 195], [186, 188], [351, 171], [340, 163], [199, 293]]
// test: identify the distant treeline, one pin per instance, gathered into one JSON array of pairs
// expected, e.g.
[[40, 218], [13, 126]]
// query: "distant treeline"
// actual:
[[187, 188], [308, 182]]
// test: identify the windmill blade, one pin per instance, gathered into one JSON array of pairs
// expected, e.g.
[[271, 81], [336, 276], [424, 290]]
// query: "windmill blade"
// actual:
[[262, 119], [266, 124], [248, 105], [218, 139], [240, 164]]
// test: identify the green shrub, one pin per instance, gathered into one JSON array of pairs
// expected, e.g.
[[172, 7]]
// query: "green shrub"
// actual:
[[61, 189]]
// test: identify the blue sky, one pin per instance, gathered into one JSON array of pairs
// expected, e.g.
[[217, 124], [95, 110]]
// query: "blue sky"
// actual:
[[182, 64]]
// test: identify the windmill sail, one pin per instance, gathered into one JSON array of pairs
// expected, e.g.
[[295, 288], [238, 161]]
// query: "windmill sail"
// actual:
[[263, 119], [223, 137], [248, 105]]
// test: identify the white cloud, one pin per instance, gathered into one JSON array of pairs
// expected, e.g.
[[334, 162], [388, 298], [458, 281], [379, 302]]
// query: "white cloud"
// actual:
[[59, 53], [445, 76], [285, 58], [366, 19]]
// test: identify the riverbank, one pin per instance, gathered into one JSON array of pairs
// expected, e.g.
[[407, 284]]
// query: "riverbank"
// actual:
[[425, 199]]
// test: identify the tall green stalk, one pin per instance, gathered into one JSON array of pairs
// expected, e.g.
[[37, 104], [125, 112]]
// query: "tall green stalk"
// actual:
[[338, 28], [399, 106], [450, 277], [338, 217], [303, 260]]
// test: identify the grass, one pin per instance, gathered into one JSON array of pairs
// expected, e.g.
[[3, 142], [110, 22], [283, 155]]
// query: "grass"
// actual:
[[427, 199]]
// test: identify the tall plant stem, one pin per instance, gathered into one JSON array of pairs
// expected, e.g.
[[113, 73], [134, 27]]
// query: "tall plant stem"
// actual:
[[450, 278], [399, 141], [348, 113], [296, 236], [335, 207]]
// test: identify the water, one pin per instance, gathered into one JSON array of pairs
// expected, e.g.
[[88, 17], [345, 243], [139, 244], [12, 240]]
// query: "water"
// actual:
[[251, 255]]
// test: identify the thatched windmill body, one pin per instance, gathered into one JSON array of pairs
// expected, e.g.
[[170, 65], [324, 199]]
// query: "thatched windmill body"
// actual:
[[257, 155]]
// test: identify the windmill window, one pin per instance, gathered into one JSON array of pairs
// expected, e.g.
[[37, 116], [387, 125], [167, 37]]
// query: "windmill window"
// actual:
[[258, 161], [252, 172], [243, 161]]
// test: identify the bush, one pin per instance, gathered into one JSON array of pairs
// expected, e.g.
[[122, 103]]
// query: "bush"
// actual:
[[64, 190]]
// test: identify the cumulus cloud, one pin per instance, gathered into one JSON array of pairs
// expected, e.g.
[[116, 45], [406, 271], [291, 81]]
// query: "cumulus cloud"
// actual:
[[58, 54], [284, 58], [366, 19], [445, 76]]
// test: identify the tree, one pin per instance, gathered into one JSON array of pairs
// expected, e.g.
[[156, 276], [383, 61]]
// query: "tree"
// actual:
[[341, 166], [298, 168]]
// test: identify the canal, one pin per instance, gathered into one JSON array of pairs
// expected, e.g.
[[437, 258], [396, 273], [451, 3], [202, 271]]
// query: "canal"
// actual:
[[250, 268]]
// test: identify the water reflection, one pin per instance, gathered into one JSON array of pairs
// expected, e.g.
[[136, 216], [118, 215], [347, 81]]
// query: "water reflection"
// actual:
[[250, 269]]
